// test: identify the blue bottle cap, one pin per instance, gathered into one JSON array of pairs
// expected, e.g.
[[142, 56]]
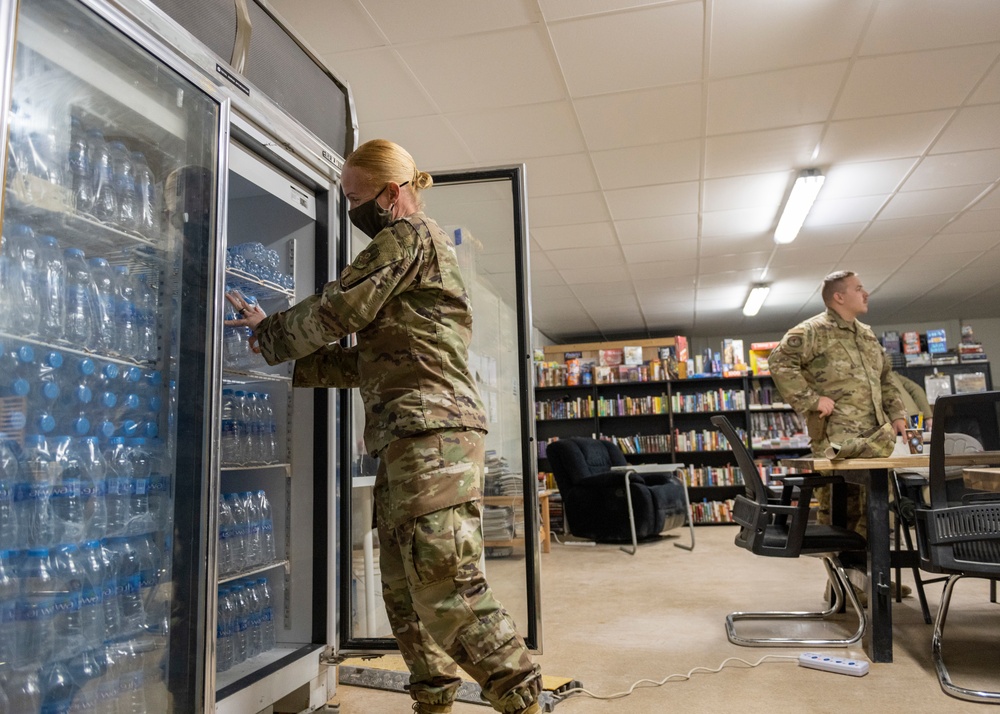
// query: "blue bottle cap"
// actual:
[[129, 428], [155, 403], [46, 423], [50, 391], [131, 401], [73, 253], [101, 262], [87, 366], [133, 374], [81, 425], [108, 399], [53, 359], [20, 387], [151, 430], [110, 371], [105, 429], [50, 241], [25, 354], [84, 394]]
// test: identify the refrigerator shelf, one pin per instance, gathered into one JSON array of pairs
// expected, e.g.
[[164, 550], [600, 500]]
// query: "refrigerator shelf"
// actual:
[[236, 276], [253, 571], [232, 376], [67, 349], [258, 467], [78, 230]]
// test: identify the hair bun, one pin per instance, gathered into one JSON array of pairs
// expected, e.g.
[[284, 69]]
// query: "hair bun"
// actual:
[[422, 180]]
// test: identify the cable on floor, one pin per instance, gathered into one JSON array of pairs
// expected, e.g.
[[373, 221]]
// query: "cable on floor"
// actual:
[[562, 695]]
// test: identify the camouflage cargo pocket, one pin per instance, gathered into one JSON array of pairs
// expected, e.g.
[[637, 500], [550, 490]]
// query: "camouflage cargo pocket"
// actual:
[[488, 635]]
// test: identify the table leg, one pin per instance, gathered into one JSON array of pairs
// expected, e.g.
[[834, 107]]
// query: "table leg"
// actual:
[[879, 595]]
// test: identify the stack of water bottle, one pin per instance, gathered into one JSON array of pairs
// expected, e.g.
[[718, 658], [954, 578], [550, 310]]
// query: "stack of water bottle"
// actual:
[[236, 352], [246, 532], [245, 622], [249, 428], [59, 297], [260, 262], [84, 576], [98, 177]]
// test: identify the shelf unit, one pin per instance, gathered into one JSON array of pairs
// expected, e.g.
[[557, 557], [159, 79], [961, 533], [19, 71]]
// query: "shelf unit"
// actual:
[[671, 423]]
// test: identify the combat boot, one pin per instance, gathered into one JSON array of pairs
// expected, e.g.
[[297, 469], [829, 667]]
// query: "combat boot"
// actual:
[[424, 708]]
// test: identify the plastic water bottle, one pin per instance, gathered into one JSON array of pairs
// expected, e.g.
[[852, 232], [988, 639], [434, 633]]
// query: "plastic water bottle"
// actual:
[[24, 693], [117, 495], [24, 276], [75, 402], [239, 534], [254, 618], [225, 549], [123, 178], [53, 291], [224, 632], [147, 315], [67, 623], [145, 190], [110, 597], [268, 549], [108, 693], [92, 608], [230, 442], [159, 487], [254, 547], [267, 614], [68, 504], [149, 566], [33, 495], [16, 369], [35, 607], [9, 478], [79, 168], [105, 201], [241, 643], [79, 326], [86, 674], [58, 689], [8, 608], [258, 428], [93, 486], [244, 426], [131, 682], [270, 435], [128, 324], [103, 298], [236, 348], [129, 584], [142, 470]]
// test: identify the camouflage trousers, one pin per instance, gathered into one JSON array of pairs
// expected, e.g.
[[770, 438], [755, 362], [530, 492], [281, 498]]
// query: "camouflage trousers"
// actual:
[[857, 500], [444, 615]]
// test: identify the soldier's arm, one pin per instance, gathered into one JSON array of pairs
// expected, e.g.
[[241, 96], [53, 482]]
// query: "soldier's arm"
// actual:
[[918, 394], [344, 306], [787, 364], [331, 366]]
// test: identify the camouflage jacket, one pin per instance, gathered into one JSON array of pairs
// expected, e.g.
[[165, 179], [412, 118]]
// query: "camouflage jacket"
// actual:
[[827, 356], [404, 297]]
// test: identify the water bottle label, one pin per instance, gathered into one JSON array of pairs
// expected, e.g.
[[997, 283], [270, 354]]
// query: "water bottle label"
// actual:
[[242, 624], [117, 486], [158, 484], [110, 589], [107, 690], [267, 527], [147, 578], [88, 490], [228, 426], [35, 610], [266, 614], [140, 487], [69, 488], [32, 492], [7, 612], [91, 597], [6, 493], [130, 585], [67, 604], [131, 682]]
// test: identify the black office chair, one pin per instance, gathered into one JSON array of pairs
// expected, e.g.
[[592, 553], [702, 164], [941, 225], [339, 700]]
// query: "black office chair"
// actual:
[[780, 528], [958, 534], [596, 503]]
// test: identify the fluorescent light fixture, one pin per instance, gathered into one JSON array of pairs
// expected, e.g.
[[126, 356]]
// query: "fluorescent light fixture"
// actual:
[[800, 201], [755, 299]]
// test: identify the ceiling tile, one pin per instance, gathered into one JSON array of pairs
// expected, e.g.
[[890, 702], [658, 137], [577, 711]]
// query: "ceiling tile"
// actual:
[[651, 201], [939, 263], [773, 99], [399, 96], [742, 192], [737, 261], [560, 175], [545, 293], [499, 135], [775, 34], [451, 72], [585, 258], [580, 235], [904, 25], [651, 230], [545, 277], [989, 91], [728, 244], [355, 28], [740, 222], [672, 250], [911, 227], [431, 140], [608, 274], [930, 202], [844, 210], [562, 210], [764, 151], [943, 170], [861, 253], [600, 304], [665, 270], [623, 287], [975, 221], [830, 234], [913, 82], [648, 165], [973, 128], [878, 138], [648, 116], [565, 9], [539, 261], [402, 22], [798, 253], [640, 48], [729, 280], [950, 242], [865, 178]]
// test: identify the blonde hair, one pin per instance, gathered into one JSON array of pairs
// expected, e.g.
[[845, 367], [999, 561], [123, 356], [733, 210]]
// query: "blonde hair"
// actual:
[[382, 161]]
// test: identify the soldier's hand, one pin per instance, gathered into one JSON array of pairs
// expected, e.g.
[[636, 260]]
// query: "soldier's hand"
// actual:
[[900, 426], [825, 406]]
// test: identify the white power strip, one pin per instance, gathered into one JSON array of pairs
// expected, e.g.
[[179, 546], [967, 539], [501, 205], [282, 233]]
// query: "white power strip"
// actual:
[[840, 665]]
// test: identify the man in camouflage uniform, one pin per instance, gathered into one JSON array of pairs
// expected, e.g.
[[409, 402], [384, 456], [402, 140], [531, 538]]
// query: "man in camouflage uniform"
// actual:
[[832, 370], [405, 298]]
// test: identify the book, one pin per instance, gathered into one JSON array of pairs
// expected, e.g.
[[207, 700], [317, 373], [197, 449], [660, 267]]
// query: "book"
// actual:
[[632, 355], [610, 358], [937, 343], [911, 343]]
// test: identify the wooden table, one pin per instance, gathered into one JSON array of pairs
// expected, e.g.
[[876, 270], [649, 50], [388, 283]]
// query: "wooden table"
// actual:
[[874, 475], [544, 532], [982, 479]]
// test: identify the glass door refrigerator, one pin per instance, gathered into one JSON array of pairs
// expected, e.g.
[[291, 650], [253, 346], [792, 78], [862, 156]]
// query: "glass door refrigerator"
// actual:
[[166, 524]]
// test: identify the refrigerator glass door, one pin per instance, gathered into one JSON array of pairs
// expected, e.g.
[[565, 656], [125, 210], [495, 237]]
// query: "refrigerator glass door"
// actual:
[[484, 213], [109, 227]]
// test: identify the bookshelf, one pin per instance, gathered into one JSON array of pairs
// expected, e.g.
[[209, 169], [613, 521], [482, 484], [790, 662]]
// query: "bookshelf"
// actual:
[[669, 421]]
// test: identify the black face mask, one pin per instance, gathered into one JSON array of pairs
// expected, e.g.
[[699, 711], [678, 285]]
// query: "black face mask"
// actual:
[[370, 218]]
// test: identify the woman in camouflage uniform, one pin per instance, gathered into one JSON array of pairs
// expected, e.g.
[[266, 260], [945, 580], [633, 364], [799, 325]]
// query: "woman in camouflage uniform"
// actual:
[[405, 298]]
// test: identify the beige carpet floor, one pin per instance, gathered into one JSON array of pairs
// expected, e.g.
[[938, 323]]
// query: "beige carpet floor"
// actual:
[[610, 619]]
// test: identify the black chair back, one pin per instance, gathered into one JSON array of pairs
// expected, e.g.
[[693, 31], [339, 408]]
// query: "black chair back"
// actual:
[[576, 458]]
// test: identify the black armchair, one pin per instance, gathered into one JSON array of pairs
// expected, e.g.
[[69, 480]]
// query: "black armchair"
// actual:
[[958, 534], [779, 527], [591, 475]]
